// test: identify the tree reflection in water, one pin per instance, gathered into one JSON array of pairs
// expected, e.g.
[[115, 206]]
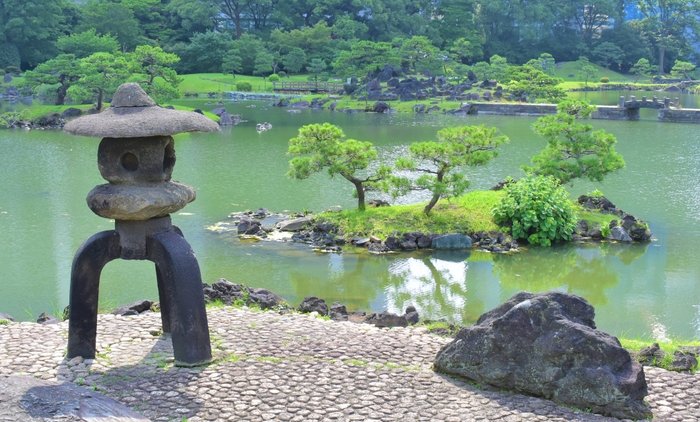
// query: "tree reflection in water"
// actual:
[[577, 269], [435, 284]]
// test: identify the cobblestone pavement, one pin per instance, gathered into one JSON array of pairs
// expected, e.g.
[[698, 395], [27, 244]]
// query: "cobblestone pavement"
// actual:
[[295, 367]]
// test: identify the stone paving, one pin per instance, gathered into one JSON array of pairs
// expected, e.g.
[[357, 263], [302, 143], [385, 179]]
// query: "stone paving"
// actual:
[[272, 367]]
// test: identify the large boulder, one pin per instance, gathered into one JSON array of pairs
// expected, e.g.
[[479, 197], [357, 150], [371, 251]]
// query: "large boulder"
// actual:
[[620, 234], [225, 291], [547, 345], [451, 241], [313, 304], [226, 119], [381, 107], [339, 312], [293, 225], [265, 298], [46, 319], [133, 308], [386, 73], [6, 317], [387, 319], [71, 113]]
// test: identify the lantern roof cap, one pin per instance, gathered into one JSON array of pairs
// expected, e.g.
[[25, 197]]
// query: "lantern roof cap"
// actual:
[[133, 114]]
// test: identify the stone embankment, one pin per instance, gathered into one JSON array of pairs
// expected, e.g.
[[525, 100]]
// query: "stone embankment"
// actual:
[[289, 368], [324, 237]]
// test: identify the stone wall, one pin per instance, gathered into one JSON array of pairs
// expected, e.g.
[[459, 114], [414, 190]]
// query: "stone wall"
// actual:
[[512, 109], [679, 115], [615, 113]]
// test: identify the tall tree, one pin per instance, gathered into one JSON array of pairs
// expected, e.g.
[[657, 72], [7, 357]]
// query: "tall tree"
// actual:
[[232, 63], [417, 51], [670, 22], [100, 75], [63, 71], [591, 16], [641, 68], [247, 47], [607, 54], [32, 27], [364, 57], [294, 60], [526, 81], [234, 10], [322, 147], [316, 67], [681, 69], [206, 52], [573, 150], [115, 19], [87, 43], [455, 147], [154, 64], [264, 62]]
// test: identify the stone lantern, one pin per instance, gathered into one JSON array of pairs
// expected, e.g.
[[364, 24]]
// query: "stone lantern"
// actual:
[[137, 156]]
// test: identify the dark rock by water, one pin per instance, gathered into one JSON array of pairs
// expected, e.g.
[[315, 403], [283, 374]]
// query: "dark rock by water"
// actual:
[[386, 319], [339, 312], [7, 317], [264, 298], [313, 304], [547, 345], [451, 241], [225, 291], [134, 308], [45, 319]]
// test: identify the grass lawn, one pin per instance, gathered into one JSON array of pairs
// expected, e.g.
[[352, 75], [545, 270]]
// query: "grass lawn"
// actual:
[[202, 83], [564, 69]]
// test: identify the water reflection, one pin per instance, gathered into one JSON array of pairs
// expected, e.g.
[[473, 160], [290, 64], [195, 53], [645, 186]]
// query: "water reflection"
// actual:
[[582, 270], [437, 285]]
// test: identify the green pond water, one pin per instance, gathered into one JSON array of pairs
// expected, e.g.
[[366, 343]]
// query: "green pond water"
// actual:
[[641, 290]]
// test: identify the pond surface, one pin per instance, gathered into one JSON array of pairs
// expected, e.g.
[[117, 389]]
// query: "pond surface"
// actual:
[[642, 290]]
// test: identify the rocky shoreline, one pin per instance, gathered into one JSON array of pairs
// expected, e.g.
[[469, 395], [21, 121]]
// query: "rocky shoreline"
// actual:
[[299, 228]]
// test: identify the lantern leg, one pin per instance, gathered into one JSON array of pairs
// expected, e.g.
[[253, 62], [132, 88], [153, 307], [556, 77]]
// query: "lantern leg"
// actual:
[[89, 260], [181, 296]]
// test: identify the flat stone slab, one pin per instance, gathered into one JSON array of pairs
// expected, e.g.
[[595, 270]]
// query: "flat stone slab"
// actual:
[[293, 368], [25, 398]]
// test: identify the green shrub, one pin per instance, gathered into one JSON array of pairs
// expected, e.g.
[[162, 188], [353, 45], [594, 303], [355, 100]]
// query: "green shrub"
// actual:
[[539, 210], [604, 80], [595, 193], [244, 86], [281, 73], [13, 70], [274, 78], [2, 72]]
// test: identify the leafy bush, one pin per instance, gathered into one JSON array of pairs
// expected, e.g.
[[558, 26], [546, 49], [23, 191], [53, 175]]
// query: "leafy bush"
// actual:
[[2, 72], [604, 80], [244, 86], [273, 78], [596, 193], [538, 208], [13, 70], [281, 73]]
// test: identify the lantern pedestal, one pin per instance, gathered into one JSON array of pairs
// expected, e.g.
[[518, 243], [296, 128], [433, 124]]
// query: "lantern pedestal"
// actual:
[[137, 156]]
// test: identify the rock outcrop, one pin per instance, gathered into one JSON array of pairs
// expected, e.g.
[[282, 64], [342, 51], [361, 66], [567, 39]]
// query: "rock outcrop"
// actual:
[[547, 345]]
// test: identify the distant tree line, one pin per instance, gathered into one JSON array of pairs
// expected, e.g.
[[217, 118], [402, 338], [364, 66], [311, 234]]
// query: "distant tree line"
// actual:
[[492, 38]]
